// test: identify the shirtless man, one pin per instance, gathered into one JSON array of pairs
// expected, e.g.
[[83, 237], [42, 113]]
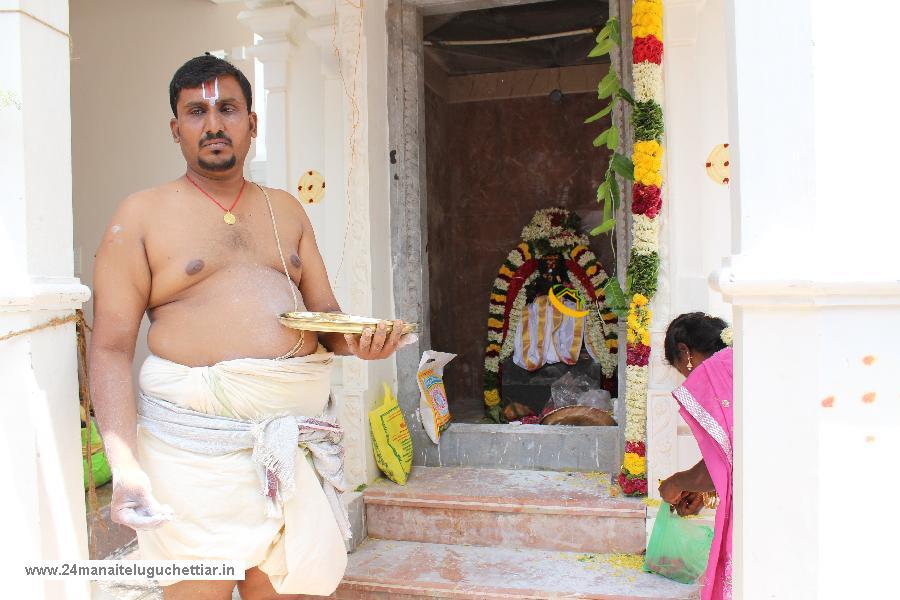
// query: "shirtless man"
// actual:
[[212, 290]]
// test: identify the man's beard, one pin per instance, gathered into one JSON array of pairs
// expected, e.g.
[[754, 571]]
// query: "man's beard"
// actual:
[[218, 166]]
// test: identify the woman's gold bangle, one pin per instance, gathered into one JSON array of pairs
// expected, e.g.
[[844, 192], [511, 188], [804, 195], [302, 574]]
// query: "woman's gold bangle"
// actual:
[[710, 500]]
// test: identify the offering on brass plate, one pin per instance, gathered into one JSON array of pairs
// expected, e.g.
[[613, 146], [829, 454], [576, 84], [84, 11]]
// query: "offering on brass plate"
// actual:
[[337, 323]]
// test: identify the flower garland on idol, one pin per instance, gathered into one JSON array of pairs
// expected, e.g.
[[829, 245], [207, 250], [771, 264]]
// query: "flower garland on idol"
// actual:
[[643, 264], [551, 231]]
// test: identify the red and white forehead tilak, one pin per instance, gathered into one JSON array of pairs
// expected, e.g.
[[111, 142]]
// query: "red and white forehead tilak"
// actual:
[[211, 91]]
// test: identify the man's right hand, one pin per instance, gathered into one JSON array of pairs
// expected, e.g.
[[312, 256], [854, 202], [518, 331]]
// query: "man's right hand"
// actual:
[[133, 503]]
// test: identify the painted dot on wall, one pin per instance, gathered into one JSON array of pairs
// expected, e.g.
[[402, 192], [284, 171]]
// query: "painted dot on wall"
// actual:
[[311, 189], [717, 164], [868, 398], [869, 360], [828, 402]]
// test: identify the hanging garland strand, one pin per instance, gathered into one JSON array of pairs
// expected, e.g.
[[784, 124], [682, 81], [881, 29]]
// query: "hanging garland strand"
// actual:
[[645, 170], [646, 202]]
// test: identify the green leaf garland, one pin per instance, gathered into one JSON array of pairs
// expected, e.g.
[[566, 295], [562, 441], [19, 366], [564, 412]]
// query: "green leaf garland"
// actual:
[[647, 119], [643, 273]]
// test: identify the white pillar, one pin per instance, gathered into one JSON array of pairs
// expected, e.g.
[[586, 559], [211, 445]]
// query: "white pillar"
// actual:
[[276, 25], [337, 229], [330, 217], [351, 213], [352, 54], [816, 298], [43, 505], [776, 417]]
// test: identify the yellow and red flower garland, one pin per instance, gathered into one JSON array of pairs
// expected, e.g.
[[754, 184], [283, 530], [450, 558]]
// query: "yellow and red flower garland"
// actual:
[[646, 201], [504, 318], [509, 292]]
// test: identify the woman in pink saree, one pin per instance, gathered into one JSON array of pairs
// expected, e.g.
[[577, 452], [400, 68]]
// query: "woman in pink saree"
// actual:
[[698, 346]]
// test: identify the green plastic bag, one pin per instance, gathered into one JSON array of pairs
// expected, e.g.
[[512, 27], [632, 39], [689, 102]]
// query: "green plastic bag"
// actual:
[[99, 464], [678, 548]]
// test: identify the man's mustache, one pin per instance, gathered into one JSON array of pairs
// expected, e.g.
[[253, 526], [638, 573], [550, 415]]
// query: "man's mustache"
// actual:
[[219, 135]]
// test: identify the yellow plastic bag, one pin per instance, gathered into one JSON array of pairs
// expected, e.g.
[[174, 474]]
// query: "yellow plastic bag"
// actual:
[[390, 439]]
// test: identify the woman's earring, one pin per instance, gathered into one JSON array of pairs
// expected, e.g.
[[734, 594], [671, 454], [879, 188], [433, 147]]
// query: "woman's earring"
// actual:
[[690, 365]]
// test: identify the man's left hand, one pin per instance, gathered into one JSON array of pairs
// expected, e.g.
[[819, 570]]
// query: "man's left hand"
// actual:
[[377, 344]]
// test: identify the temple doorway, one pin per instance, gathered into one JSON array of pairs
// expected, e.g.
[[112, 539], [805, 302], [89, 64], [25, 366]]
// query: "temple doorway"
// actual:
[[506, 94]]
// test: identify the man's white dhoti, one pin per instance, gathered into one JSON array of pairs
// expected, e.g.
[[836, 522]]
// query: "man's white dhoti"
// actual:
[[220, 511]]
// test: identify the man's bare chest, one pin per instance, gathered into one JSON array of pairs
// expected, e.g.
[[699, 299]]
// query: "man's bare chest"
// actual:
[[192, 251]]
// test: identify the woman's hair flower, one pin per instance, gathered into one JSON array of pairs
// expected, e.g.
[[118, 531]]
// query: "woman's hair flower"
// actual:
[[727, 336]]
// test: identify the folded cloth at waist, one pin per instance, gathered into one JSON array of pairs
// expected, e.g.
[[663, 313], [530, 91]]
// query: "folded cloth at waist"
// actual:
[[243, 388], [219, 510], [273, 441]]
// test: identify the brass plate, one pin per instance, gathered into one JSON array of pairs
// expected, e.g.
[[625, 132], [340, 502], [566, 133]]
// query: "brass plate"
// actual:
[[337, 323]]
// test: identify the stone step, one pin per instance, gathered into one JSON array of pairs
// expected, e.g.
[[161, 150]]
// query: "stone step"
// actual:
[[545, 510], [536, 447], [392, 570]]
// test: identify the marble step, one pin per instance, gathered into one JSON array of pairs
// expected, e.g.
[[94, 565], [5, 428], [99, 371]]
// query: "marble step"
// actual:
[[394, 570], [545, 510], [535, 447]]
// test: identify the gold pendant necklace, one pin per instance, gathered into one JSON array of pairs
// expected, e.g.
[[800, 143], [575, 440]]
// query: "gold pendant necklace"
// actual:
[[228, 217]]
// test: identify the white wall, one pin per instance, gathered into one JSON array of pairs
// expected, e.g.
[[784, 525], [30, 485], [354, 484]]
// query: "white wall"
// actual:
[[124, 53], [696, 113], [859, 442]]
